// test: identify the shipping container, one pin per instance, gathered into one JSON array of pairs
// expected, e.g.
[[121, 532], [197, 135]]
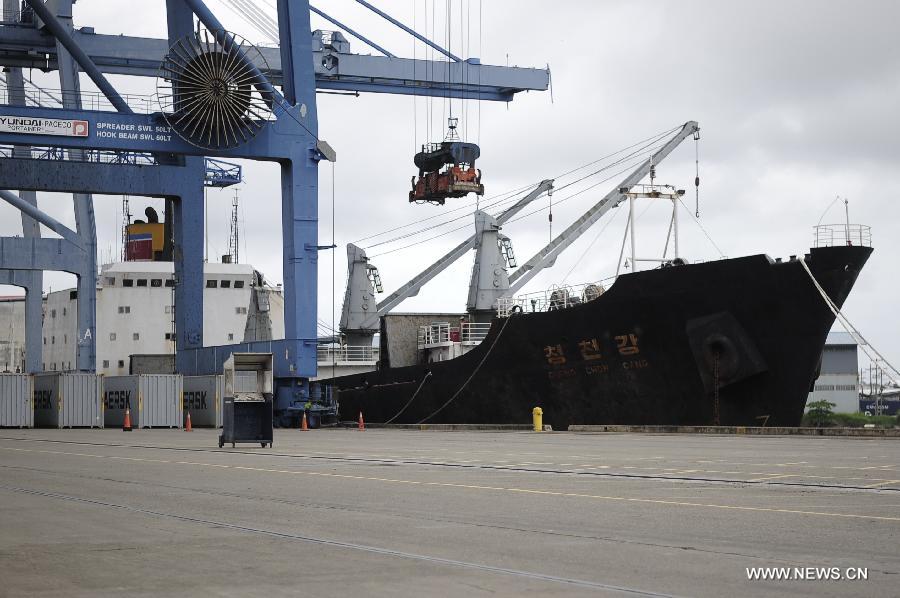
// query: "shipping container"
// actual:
[[203, 399], [16, 407], [155, 400], [68, 400]]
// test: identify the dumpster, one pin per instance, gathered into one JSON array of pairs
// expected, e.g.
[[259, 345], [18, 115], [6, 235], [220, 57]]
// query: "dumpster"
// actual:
[[247, 408]]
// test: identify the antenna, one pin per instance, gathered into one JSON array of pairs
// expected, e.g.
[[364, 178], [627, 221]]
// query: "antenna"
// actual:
[[234, 238], [126, 220], [847, 216]]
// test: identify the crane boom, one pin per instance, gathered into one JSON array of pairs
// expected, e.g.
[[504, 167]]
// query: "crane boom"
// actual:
[[547, 256], [411, 288]]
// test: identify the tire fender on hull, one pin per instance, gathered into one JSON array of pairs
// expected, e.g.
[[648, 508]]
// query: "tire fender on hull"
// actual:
[[720, 336]]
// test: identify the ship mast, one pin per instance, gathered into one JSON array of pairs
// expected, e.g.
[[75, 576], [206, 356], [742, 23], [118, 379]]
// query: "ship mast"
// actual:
[[546, 257], [653, 191], [234, 237]]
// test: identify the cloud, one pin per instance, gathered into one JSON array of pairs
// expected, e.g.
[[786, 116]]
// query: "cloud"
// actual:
[[797, 102]]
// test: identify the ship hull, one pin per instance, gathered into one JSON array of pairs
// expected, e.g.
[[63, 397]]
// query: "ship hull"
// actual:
[[733, 342]]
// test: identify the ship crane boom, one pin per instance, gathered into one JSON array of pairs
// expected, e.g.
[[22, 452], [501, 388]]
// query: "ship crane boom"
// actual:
[[358, 291], [546, 257]]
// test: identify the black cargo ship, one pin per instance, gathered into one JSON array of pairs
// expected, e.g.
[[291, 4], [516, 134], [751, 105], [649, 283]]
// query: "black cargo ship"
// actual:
[[732, 342]]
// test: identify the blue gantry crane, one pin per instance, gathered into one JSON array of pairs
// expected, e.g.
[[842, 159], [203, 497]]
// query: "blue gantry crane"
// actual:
[[218, 98]]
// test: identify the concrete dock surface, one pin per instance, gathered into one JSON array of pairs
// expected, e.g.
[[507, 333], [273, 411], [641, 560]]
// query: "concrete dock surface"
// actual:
[[407, 513]]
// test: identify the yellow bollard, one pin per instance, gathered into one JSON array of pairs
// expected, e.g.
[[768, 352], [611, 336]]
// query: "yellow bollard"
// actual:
[[537, 416]]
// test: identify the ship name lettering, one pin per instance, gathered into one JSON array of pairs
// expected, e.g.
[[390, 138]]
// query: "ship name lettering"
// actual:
[[627, 344], [590, 349], [635, 364], [555, 355], [560, 374]]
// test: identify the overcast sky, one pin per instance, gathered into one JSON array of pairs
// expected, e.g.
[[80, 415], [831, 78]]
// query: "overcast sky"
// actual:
[[797, 102]]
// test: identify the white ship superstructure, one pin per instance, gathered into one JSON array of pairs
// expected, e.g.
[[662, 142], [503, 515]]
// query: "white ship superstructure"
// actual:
[[135, 314], [135, 317]]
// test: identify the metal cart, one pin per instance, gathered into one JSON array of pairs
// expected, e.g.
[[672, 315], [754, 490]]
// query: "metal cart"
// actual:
[[247, 414]]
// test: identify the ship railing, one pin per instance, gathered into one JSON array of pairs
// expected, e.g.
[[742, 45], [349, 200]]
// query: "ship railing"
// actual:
[[472, 333], [834, 235], [437, 333], [444, 334], [326, 354], [554, 298]]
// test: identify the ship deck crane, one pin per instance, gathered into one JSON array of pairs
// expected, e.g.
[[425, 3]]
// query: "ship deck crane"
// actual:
[[359, 321], [546, 257]]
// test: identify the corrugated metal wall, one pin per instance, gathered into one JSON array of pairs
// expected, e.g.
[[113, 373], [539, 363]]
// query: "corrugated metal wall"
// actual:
[[840, 359], [203, 398], [161, 401], [16, 406], [155, 400], [68, 400], [81, 396]]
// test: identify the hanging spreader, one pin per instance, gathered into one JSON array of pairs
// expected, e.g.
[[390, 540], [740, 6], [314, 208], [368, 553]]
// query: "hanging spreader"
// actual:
[[446, 169]]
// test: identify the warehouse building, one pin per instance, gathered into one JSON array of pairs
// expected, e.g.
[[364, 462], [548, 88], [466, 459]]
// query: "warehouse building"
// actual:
[[838, 381]]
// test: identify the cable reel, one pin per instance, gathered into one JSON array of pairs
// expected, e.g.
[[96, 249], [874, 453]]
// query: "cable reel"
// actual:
[[209, 95]]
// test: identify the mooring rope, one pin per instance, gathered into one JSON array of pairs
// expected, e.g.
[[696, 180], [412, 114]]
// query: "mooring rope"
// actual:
[[412, 398], [472, 375], [857, 336]]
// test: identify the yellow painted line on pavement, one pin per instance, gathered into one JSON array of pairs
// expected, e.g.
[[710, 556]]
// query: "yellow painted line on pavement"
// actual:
[[773, 477], [622, 499], [885, 483]]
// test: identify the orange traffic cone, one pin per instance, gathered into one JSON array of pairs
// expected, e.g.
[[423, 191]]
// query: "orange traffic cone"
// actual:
[[362, 424], [303, 426], [126, 425], [187, 423]]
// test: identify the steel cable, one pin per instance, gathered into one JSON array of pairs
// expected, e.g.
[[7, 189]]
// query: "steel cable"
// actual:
[[472, 375]]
